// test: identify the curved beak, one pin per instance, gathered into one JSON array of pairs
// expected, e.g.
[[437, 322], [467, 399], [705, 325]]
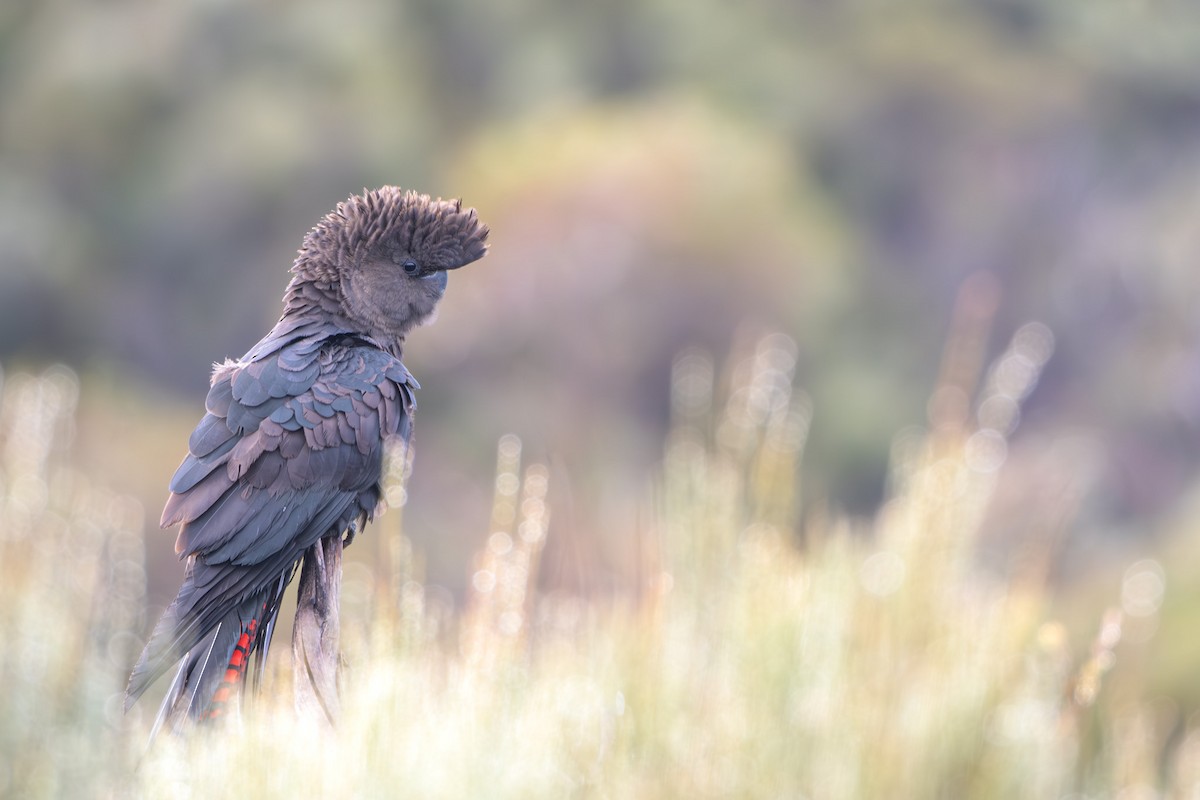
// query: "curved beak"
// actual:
[[437, 280]]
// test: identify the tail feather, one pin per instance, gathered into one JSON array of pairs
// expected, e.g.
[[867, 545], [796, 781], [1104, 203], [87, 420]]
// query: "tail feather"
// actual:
[[267, 629], [205, 604], [254, 637], [231, 682], [185, 688], [211, 674]]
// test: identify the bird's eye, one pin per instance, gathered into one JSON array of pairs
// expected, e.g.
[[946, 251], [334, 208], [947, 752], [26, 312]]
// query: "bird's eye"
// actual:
[[410, 267]]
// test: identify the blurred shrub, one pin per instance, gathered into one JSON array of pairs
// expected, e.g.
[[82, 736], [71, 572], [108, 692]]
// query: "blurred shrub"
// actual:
[[71, 601], [882, 662]]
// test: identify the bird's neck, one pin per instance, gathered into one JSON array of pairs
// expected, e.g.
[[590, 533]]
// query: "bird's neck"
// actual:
[[309, 300]]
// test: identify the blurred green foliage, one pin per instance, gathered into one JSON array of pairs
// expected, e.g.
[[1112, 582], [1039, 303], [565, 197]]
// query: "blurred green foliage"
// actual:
[[656, 174]]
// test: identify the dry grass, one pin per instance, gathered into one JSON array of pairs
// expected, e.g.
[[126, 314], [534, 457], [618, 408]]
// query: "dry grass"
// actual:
[[879, 662]]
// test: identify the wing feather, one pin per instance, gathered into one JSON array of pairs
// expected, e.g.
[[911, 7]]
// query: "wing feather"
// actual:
[[298, 426]]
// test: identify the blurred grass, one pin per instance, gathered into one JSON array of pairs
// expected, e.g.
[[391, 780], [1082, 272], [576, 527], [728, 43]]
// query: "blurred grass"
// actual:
[[875, 658]]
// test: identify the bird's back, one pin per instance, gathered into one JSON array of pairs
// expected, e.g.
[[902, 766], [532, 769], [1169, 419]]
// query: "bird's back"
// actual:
[[289, 451]]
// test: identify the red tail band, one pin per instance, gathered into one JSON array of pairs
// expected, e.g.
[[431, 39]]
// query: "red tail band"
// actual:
[[234, 672]]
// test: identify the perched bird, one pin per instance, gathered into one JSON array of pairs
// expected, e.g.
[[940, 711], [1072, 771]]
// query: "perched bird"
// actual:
[[290, 451]]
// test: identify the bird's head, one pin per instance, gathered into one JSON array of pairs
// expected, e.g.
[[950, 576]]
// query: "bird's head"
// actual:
[[385, 255]]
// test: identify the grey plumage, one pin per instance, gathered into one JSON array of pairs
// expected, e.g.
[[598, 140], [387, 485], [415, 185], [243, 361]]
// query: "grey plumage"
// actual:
[[290, 449]]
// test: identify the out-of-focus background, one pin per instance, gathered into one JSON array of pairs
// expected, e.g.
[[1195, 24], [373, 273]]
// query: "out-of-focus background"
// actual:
[[657, 176]]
